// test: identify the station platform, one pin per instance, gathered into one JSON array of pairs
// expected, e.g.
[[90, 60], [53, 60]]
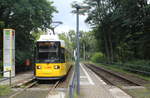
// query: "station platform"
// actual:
[[92, 86], [18, 78]]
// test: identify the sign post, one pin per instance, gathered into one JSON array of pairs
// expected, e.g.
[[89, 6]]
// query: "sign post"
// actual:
[[9, 52]]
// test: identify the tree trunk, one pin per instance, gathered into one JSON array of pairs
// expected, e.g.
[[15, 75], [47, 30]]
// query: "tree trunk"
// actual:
[[1, 45], [106, 49], [84, 51], [111, 48]]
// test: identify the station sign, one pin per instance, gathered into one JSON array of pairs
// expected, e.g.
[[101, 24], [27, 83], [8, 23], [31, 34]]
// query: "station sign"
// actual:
[[9, 52]]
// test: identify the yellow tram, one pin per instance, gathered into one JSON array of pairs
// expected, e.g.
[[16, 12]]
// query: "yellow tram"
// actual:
[[52, 60]]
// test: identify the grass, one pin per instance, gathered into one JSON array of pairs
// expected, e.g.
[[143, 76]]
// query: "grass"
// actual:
[[4, 90], [139, 93], [1, 76], [75, 95], [1, 69]]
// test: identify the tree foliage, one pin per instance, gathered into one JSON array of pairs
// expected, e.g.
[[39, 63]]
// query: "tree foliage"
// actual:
[[97, 57], [87, 42], [121, 28], [25, 16]]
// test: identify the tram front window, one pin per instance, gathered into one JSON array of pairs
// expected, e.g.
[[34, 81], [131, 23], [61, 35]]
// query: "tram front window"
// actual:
[[48, 57], [48, 53]]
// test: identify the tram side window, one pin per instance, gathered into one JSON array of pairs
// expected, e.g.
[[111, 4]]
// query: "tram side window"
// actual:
[[62, 56]]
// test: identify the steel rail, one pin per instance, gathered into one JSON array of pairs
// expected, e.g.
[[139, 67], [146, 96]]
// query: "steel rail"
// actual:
[[22, 82], [111, 73], [28, 86], [52, 89]]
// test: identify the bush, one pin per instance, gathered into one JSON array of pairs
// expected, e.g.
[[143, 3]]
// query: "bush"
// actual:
[[139, 62], [97, 57]]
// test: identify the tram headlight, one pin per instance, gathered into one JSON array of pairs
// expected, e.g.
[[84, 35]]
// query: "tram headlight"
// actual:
[[38, 67], [56, 67]]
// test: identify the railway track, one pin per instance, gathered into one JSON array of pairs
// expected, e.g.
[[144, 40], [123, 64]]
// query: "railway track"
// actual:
[[26, 87], [51, 90], [23, 82], [40, 89], [47, 87], [111, 77], [31, 88]]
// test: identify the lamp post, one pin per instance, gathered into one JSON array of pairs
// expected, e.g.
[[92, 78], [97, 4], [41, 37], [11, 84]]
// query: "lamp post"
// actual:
[[78, 47], [77, 68]]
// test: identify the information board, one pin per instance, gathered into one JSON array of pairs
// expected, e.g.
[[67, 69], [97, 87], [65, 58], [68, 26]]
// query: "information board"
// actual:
[[9, 52]]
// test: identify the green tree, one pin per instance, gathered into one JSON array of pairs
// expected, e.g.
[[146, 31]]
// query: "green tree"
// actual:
[[121, 28], [87, 42], [69, 38], [25, 16]]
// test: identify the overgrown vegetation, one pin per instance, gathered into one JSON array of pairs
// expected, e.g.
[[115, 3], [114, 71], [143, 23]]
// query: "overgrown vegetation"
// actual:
[[4, 90], [1, 68], [139, 66], [87, 43], [139, 93], [25, 16], [121, 28], [97, 57]]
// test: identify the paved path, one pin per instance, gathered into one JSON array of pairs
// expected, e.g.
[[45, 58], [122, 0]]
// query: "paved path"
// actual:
[[18, 78], [94, 87]]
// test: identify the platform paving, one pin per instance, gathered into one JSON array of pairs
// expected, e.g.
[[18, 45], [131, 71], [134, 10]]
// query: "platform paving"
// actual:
[[18, 78], [93, 86]]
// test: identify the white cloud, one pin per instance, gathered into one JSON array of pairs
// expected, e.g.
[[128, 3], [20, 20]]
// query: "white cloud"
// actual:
[[63, 28], [68, 19]]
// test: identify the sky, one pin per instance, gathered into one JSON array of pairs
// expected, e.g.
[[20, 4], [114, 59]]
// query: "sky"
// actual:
[[69, 19]]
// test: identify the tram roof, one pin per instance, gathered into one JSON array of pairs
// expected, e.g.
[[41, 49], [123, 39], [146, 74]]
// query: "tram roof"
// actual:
[[46, 38]]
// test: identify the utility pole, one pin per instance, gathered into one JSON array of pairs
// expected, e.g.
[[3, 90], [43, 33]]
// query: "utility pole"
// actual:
[[78, 51], [77, 67]]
